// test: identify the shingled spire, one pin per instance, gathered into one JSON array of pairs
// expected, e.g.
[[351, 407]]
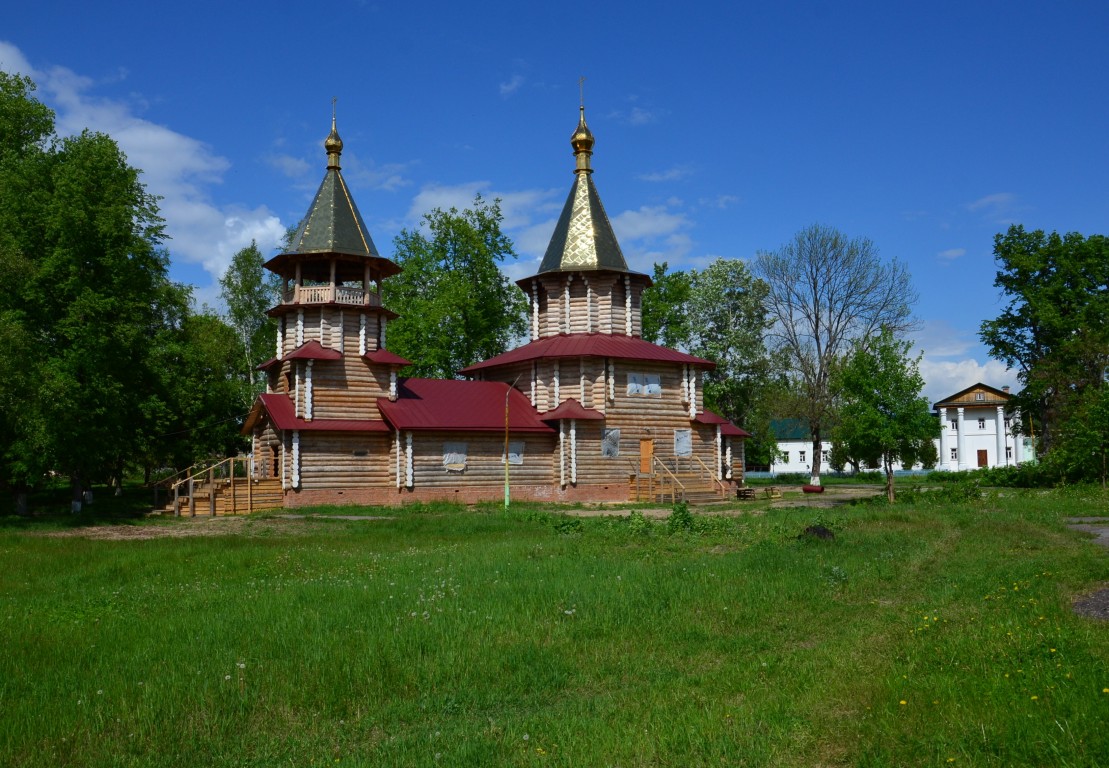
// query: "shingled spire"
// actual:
[[583, 238], [333, 223]]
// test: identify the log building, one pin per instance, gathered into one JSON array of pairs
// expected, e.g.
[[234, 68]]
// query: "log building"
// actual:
[[585, 411]]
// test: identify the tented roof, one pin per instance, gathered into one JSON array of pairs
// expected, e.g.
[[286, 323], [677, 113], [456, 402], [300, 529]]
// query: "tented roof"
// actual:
[[591, 345]]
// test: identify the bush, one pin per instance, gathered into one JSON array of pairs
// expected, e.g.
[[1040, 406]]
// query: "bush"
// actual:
[[680, 520], [638, 525]]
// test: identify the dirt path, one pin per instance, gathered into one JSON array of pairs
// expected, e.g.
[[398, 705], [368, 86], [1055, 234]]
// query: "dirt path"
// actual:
[[1095, 605]]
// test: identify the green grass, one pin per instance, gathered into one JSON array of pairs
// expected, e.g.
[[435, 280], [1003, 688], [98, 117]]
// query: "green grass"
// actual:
[[449, 637]]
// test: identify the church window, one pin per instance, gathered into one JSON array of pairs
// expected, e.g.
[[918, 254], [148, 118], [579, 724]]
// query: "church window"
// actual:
[[454, 456], [683, 442], [610, 443], [981, 423], [649, 384], [515, 452]]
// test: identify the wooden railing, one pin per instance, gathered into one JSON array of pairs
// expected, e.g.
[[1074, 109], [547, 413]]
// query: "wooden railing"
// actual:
[[209, 475], [675, 483], [712, 476], [331, 294]]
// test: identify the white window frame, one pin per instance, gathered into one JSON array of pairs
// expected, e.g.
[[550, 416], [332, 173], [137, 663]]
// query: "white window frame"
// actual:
[[683, 442]]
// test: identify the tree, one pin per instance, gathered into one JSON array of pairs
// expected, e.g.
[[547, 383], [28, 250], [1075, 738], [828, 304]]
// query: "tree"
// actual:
[[828, 292], [1055, 328], [727, 321], [456, 307], [248, 290], [719, 313], [26, 128], [664, 307], [883, 418], [81, 235]]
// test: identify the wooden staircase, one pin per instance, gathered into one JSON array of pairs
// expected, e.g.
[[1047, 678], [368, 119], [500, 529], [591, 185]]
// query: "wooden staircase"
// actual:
[[693, 484], [217, 489], [238, 496]]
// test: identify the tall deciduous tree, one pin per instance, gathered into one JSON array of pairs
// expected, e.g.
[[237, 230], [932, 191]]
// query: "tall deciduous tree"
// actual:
[[248, 290], [728, 320], [827, 292], [665, 308], [456, 307], [1054, 328], [82, 232], [884, 419], [720, 313], [26, 129]]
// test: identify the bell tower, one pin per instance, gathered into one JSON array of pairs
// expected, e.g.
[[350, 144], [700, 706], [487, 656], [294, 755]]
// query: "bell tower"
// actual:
[[584, 284]]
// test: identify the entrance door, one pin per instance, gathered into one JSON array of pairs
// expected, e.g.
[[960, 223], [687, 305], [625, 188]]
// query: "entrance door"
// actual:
[[982, 460], [646, 455]]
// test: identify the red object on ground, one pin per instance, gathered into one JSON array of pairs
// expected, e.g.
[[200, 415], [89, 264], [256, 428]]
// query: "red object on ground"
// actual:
[[812, 488]]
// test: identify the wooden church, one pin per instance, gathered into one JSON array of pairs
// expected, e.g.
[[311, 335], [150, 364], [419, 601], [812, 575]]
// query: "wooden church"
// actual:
[[585, 411]]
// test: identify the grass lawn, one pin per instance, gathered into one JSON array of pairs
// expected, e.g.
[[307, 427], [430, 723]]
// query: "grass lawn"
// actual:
[[924, 634]]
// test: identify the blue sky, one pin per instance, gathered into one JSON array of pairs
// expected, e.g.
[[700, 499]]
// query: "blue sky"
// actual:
[[722, 128]]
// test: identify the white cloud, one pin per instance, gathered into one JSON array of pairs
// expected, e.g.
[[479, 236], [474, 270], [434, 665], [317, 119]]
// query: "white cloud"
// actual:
[[519, 207], [652, 234], [13, 61], [388, 177], [954, 360], [720, 201], [999, 208], [647, 222], [513, 85], [634, 116], [293, 167], [943, 378], [677, 173], [951, 254], [177, 168]]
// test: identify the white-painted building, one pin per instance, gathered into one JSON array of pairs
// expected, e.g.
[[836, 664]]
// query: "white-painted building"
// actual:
[[976, 431]]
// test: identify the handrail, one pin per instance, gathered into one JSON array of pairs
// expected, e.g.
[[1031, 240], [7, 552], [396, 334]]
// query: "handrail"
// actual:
[[168, 480], [209, 474], [712, 476], [205, 471], [673, 478]]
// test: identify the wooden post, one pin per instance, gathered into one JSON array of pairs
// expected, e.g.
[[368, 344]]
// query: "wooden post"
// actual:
[[249, 494], [212, 491], [234, 509], [177, 501], [192, 498]]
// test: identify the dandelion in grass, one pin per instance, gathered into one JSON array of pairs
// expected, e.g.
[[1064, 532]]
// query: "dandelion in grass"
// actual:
[[902, 702], [1035, 698]]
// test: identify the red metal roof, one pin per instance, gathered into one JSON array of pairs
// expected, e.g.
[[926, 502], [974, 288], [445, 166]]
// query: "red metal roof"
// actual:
[[449, 405], [726, 427], [591, 345], [280, 410], [384, 356], [268, 364], [313, 350], [571, 409]]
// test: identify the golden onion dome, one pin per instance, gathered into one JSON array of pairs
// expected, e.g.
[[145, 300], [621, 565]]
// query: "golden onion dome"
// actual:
[[582, 140], [333, 144]]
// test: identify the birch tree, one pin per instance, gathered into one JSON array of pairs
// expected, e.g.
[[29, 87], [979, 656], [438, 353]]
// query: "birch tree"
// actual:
[[827, 292]]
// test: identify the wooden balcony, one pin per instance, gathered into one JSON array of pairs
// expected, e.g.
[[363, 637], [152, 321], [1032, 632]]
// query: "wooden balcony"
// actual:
[[331, 294]]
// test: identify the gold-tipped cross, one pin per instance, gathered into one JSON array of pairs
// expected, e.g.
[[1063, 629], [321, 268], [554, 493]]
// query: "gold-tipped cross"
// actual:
[[581, 89], [334, 100]]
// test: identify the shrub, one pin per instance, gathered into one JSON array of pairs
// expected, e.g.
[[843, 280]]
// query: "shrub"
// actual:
[[680, 520]]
